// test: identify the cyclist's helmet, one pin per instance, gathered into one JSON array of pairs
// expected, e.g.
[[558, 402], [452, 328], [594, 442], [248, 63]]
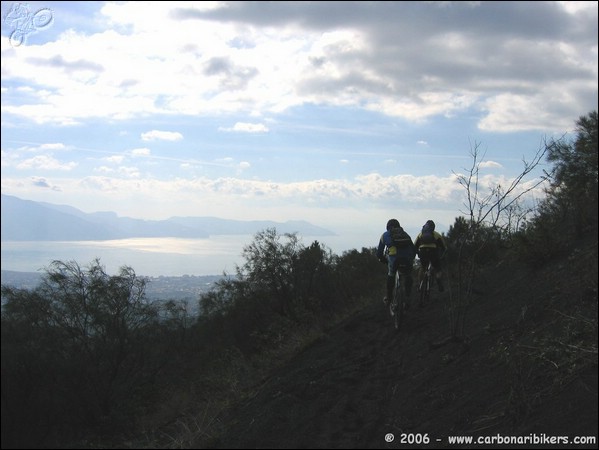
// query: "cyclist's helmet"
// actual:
[[431, 224], [393, 223]]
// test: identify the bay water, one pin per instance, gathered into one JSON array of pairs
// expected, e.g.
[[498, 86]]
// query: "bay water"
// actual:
[[154, 257]]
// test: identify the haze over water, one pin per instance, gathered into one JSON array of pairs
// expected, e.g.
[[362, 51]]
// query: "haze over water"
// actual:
[[154, 256]]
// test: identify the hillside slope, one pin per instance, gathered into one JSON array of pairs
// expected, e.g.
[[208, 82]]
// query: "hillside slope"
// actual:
[[527, 367]]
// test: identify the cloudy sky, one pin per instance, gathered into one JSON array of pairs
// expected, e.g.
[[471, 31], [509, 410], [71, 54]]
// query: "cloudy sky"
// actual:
[[340, 113]]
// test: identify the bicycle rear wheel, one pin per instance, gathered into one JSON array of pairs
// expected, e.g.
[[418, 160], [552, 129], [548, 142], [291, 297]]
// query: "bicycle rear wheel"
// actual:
[[425, 290], [398, 305]]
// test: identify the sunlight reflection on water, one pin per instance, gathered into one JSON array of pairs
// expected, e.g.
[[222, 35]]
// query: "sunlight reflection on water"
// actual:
[[150, 256]]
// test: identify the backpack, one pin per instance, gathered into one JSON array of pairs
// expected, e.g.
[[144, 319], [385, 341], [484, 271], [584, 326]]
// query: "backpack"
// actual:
[[427, 236], [400, 238]]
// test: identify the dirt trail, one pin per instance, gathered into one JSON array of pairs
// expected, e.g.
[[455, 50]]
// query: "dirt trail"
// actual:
[[365, 380]]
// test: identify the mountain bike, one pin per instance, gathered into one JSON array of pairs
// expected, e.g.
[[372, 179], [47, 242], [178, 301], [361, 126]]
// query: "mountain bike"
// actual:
[[25, 22], [397, 305], [424, 288]]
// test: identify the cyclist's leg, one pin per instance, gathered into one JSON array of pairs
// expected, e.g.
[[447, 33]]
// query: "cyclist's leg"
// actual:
[[424, 260], [390, 278], [436, 262], [408, 281], [398, 303], [405, 272]]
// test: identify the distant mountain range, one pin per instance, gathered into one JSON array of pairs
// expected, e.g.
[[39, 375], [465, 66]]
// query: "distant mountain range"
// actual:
[[26, 220]]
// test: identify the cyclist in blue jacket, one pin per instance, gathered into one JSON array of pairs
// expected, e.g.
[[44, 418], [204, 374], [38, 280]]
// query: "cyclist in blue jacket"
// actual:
[[397, 250]]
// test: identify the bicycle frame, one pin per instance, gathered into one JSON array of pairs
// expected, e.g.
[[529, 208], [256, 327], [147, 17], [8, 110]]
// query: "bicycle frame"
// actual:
[[425, 285], [397, 305]]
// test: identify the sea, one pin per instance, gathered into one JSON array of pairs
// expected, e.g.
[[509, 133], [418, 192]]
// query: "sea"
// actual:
[[154, 257]]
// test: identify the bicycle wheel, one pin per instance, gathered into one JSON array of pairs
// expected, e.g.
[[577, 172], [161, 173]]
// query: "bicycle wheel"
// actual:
[[398, 305], [42, 18], [424, 289], [16, 38]]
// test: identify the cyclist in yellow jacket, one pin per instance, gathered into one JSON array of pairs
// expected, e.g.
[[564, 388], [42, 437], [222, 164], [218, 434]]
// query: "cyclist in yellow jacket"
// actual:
[[431, 247]]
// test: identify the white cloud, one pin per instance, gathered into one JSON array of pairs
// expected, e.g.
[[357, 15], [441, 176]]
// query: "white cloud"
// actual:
[[129, 172], [574, 7], [45, 162], [141, 151], [161, 135], [245, 127], [54, 146], [400, 59], [115, 159], [301, 89], [490, 165], [372, 189]]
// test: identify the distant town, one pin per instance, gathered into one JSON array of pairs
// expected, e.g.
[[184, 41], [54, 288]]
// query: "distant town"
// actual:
[[186, 287]]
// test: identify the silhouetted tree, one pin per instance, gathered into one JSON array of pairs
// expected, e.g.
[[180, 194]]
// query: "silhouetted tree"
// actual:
[[76, 350], [488, 218], [574, 187], [569, 210], [269, 266], [314, 279]]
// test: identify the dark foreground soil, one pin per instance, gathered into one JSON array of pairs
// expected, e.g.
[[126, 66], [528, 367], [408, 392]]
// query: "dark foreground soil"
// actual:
[[512, 376]]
